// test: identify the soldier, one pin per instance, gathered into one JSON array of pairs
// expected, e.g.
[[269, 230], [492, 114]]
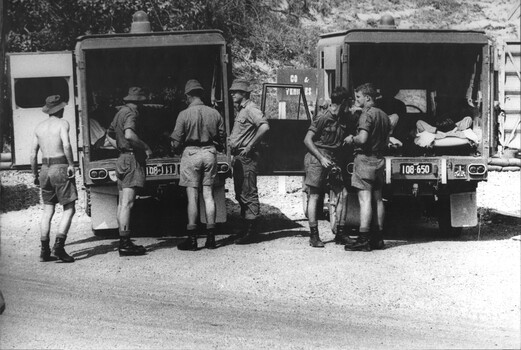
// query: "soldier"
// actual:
[[56, 178], [249, 127], [370, 145], [324, 143], [199, 129], [130, 166]]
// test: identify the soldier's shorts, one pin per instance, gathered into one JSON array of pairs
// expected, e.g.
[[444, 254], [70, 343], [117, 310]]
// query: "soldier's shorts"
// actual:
[[56, 186], [198, 166], [315, 173], [130, 170], [368, 172]]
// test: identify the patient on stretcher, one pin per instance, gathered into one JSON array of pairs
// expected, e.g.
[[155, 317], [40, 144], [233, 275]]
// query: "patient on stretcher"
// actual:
[[445, 133]]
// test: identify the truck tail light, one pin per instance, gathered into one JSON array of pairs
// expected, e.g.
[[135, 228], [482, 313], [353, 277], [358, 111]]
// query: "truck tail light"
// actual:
[[477, 169], [98, 174]]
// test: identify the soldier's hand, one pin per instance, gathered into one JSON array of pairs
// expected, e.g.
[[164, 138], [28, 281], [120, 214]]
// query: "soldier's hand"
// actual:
[[70, 171], [148, 153], [326, 163], [245, 151]]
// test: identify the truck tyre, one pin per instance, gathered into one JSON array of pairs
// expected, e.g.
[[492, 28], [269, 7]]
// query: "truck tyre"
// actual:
[[444, 221], [87, 202]]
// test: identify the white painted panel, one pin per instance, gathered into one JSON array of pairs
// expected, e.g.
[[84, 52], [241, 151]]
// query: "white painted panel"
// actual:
[[44, 64], [330, 59]]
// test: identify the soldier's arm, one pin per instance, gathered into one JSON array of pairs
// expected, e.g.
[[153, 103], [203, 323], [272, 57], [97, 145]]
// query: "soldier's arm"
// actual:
[[67, 149], [136, 142], [35, 147], [257, 118], [308, 141]]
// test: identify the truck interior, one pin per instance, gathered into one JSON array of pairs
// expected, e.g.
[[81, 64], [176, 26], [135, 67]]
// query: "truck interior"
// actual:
[[162, 72], [440, 85]]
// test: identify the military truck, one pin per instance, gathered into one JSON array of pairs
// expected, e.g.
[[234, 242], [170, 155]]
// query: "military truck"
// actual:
[[94, 78], [437, 74]]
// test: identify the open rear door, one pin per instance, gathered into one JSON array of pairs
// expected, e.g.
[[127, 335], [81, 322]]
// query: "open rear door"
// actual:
[[284, 149], [33, 77]]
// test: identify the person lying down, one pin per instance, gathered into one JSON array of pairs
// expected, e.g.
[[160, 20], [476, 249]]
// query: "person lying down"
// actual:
[[452, 134]]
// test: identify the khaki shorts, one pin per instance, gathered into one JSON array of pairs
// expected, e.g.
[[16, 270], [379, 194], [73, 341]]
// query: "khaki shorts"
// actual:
[[198, 166], [130, 170], [368, 173], [56, 186], [315, 173]]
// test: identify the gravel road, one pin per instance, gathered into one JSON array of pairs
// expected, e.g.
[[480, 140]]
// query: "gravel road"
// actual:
[[424, 291]]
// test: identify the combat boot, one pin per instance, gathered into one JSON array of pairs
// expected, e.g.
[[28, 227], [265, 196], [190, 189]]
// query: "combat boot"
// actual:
[[210, 239], [361, 243], [189, 243], [250, 235], [377, 240], [128, 248], [45, 252], [341, 237], [59, 251], [314, 238]]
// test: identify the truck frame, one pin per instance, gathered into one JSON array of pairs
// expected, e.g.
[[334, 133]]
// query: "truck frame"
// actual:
[[434, 71]]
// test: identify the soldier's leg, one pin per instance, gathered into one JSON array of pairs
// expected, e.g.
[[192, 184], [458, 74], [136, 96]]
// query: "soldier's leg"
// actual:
[[65, 223], [45, 221], [45, 228]]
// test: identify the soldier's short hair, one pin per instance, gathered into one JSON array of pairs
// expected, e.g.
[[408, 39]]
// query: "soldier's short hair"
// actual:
[[367, 89]]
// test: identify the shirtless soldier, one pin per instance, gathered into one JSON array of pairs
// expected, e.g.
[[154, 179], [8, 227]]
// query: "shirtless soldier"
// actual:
[[56, 178]]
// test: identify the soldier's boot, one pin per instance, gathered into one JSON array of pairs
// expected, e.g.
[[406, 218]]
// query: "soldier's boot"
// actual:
[[250, 235], [341, 237], [361, 243], [210, 239], [45, 252], [189, 243], [59, 250], [377, 240], [128, 248], [314, 238]]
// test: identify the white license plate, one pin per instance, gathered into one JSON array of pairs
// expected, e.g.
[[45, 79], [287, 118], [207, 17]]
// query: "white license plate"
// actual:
[[415, 168], [162, 169]]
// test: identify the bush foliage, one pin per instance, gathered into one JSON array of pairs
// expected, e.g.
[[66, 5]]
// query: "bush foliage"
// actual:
[[259, 29]]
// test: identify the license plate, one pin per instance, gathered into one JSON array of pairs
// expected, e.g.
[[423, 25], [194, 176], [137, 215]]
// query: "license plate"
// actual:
[[162, 169], [415, 169]]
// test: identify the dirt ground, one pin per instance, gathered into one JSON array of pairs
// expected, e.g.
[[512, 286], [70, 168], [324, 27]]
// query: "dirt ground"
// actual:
[[424, 291]]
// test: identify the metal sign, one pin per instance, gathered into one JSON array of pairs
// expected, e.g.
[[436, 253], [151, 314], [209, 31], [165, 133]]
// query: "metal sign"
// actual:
[[306, 77]]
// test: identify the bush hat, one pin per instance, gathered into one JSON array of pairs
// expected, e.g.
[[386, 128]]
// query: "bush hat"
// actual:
[[191, 85], [240, 85], [53, 104], [135, 94]]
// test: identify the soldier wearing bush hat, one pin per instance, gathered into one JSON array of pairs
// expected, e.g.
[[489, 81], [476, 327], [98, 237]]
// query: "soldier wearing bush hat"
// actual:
[[56, 177], [131, 163], [249, 127], [199, 129]]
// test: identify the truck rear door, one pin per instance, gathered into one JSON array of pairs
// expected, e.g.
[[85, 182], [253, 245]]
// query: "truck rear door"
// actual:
[[283, 148], [33, 77]]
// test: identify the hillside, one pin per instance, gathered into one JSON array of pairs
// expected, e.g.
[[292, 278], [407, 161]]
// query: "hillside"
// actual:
[[491, 16]]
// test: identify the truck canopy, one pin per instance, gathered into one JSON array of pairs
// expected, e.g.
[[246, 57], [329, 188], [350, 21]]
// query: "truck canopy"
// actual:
[[438, 74], [161, 63]]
